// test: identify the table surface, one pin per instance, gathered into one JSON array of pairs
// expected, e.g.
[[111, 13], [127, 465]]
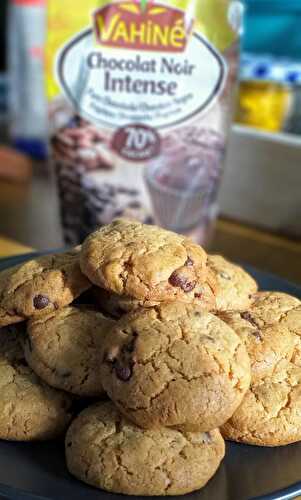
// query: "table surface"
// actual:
[[29, 218]]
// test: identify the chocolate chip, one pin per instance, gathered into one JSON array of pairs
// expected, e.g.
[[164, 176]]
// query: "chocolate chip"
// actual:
[[247, 316], [178, 280], [124, 373], [66, 374], [198, 295], [257, 335], [207, 337], [69, 444], [224, 275], [189, 262], [40, 301]]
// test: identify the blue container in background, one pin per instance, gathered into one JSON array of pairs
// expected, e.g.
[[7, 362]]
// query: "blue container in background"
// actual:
[[273, 27]]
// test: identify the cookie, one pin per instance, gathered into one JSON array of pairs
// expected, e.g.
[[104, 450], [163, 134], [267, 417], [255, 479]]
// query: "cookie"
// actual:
[[62, 348], [144, 262], [270, 414], [266, 344], [40, 286], [105, 450], [175, 366], [268, 308], [234, 286], [118, 305], [29, 409]]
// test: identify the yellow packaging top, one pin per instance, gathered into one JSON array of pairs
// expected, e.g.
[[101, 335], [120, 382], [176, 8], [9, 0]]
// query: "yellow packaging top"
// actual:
[[66, 18]]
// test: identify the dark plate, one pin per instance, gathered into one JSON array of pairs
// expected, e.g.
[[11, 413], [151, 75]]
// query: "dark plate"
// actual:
[[38, 471]]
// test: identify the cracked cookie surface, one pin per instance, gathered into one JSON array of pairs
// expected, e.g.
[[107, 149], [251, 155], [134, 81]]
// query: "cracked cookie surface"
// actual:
[[234, 286], [268, 308], [270, 414], [266, 344], [144, 262], [105, 450], [29, 409], [175, 366], [40, 285], [62, 348]]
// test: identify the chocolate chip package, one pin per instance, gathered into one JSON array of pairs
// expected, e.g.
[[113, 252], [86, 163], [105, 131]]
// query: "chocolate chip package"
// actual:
[[140, 103]]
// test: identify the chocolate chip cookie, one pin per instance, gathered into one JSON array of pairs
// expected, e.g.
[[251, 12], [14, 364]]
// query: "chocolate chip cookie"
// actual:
[[40, 286], [29, 409], [174, 365], [270, 413], [105, 450], [268, 308], [234, 286], [62, 348], [144, 262], [267, 344], [273, 322]]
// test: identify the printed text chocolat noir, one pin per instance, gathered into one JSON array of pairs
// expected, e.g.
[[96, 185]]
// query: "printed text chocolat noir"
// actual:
[[139, 99]]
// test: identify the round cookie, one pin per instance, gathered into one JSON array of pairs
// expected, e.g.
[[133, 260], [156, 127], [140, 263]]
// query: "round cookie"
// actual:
[[270, 414], [29, 409], [234, 286], [175, 366], [62, 348], [144, 262], [118, 305], [40, 286], [268, 308], [105, 450], [266, 344]]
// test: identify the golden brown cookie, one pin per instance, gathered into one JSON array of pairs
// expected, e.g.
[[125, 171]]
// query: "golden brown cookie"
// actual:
[[105, 450], [29, 409], [270, 414], [268, 308], [175, 366], [275, 318], [267, 345], [40, 286], [144, 262], [234, 286], [62, 348]]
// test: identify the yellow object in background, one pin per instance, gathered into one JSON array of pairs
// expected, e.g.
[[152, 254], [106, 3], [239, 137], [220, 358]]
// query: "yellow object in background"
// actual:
[[266, 93], [263, 105]]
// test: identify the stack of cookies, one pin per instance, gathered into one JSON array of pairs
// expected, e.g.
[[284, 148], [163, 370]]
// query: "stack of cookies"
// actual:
[[183, 344]]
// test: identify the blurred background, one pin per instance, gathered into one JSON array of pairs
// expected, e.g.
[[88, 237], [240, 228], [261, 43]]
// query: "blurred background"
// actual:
[[260, 206]]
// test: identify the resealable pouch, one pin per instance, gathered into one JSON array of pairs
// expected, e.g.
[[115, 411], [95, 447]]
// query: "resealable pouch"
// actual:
[[140, 104]]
